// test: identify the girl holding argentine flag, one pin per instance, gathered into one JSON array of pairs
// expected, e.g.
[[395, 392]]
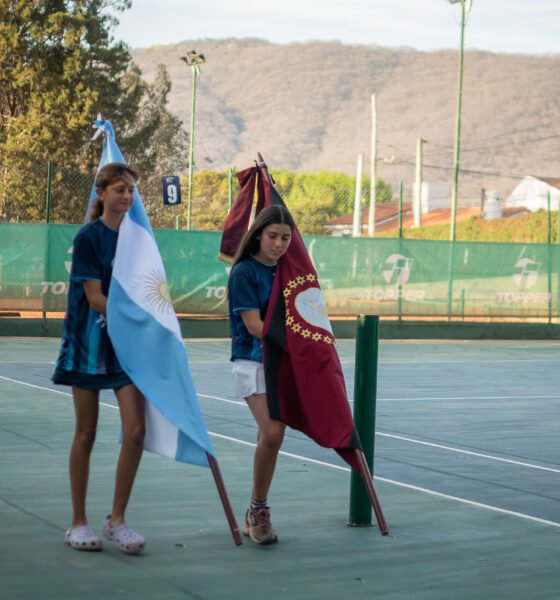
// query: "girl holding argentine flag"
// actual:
[[88, 363], [249, 289]]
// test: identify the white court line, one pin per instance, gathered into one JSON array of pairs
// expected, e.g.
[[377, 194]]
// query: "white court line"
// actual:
[[240, 402], [340, 468], [433, 445], [26, 362], [349, 362], [401, 484], [459, 451], [379, 433], [471, 362], [472, 398], [38, 387]]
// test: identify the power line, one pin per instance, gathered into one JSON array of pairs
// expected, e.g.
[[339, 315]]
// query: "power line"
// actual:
[[548, 137], [465, 171]]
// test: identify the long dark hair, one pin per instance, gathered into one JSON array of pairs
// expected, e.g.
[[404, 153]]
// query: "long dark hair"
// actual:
[[271, 215], [107, 175]]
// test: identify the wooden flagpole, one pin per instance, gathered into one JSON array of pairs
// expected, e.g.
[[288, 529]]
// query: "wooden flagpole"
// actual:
[[368, 482], [225, 500], [262, 165]]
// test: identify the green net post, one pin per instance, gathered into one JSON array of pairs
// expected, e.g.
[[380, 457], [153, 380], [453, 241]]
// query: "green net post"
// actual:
[[49, 193], [365, 391]]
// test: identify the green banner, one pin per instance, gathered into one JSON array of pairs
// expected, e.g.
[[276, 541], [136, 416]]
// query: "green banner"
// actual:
[[409, 278]]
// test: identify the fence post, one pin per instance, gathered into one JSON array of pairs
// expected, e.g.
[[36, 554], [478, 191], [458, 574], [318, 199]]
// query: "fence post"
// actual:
[[400, 209], [450, 280], [365, 390], [48, 197], [399, 291], [558, 261], [549, 255]]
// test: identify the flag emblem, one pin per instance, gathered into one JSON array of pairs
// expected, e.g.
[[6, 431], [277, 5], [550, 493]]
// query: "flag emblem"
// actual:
[[305, 309], [157, 292]]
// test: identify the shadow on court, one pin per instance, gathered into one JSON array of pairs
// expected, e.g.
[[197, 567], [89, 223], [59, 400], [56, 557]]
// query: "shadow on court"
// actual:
[[438, 548]]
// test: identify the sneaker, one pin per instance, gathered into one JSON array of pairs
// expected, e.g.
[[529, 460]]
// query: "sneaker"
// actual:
[[124, 536], [82, 538], [257, 526]]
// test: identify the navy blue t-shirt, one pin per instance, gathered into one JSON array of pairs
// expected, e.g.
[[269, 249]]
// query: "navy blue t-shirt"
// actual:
[[249, 287], [86, 347]]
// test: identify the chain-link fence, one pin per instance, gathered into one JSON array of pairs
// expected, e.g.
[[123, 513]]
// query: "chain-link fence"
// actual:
[[49, 193], [44, 193], [392, 277]]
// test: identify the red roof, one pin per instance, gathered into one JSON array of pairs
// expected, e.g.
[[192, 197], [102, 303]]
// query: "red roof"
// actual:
[[387, 216], [383, 212]]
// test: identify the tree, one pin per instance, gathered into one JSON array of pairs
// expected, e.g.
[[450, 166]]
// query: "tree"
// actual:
[[153, 141], [316, 197], [59, 67]]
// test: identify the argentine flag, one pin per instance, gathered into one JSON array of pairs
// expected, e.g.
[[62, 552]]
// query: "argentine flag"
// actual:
[[145, 333]]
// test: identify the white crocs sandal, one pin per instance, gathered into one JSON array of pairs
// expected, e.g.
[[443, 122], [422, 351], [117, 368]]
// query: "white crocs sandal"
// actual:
[[124, 536], [83, 538]]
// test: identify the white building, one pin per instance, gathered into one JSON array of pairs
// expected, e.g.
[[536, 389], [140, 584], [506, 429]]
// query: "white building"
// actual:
[[532, 193], [435, 194]]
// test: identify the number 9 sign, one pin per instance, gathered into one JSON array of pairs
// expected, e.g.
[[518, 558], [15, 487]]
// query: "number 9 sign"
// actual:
[[171, 190]]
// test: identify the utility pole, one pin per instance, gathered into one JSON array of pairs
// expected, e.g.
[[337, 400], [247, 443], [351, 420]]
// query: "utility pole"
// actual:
[[373, 169], [465, 7], [193, 60], [357, 226], [417, 209]]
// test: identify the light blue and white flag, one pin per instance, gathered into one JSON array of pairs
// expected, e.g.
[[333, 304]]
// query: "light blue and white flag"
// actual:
[[145, 333]]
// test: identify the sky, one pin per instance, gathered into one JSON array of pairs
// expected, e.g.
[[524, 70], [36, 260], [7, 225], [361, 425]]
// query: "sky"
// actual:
[[512, 26]]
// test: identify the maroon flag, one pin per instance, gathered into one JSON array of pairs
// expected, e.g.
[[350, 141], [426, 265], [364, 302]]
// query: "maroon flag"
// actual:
[[304, 380], [239, 216]]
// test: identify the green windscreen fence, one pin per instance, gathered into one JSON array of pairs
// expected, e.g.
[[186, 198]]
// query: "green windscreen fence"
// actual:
[[392, 277]]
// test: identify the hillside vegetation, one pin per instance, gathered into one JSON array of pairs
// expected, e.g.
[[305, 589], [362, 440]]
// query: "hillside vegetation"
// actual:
[[529, 228], [306, 106]]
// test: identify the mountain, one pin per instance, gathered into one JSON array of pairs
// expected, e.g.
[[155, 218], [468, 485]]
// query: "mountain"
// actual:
[[306, 106]]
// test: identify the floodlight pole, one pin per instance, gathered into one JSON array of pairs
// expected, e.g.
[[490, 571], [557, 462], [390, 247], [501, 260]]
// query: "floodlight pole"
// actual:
[[193, 60], [456, 153]]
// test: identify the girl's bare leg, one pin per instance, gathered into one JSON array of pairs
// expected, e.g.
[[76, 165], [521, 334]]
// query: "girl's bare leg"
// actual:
[[131, 404], [86, 408], [269, 441]]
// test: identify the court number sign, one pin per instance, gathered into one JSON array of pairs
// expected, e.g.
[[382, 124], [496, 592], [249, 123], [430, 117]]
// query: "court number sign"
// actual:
[[171, 190]]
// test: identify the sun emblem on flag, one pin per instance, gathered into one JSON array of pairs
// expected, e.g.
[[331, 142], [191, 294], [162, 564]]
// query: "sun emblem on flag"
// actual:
[[157, 292], [305, 309]]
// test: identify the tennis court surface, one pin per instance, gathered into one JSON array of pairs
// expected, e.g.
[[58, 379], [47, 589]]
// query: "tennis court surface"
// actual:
[[467, 466]]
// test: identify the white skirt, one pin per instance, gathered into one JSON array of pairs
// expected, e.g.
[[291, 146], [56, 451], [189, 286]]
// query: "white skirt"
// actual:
[[248, 378]]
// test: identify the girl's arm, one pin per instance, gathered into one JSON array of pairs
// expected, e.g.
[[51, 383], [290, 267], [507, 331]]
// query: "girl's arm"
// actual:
[[253, 322], [96, 298]]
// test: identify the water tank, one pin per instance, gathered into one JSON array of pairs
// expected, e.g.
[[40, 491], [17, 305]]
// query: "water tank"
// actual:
[[492, 205]]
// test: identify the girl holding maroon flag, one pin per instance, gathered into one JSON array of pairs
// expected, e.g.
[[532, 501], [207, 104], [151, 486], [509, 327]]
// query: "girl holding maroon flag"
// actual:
[[249, 289]]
